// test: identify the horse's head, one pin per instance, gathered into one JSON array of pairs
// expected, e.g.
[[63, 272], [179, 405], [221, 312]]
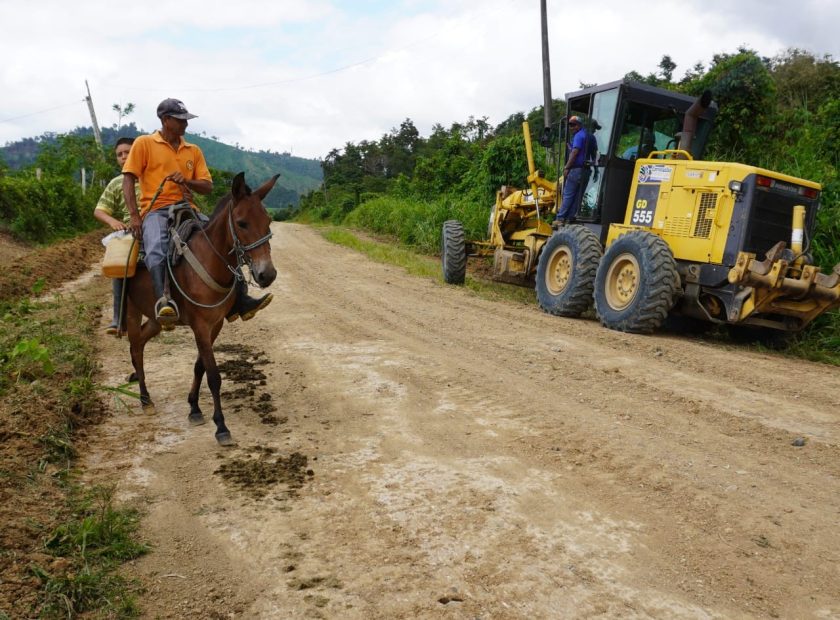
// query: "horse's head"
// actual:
[[251, 225]]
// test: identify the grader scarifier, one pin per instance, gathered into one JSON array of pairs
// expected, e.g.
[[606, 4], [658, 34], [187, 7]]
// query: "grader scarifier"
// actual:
[[660, 231]]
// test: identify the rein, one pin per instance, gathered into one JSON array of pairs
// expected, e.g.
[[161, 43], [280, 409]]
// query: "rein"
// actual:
[[242, 259]]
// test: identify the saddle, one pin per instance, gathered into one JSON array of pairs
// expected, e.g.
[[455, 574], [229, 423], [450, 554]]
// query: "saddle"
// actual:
[[182, 223]]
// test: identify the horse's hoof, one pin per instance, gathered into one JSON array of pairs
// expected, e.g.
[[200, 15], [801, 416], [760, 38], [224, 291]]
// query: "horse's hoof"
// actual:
[[225, 439], [132, 378], [197, 419], [146, 401], [148, 407]]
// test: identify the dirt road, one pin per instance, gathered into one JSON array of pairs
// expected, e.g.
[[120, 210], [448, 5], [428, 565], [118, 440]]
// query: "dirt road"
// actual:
[[407, 450]]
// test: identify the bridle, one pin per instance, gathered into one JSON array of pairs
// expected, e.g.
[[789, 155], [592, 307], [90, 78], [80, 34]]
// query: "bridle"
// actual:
[[241, 251]]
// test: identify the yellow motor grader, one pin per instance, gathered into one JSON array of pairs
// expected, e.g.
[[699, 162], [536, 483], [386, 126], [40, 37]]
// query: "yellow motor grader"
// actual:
[[659, 230]]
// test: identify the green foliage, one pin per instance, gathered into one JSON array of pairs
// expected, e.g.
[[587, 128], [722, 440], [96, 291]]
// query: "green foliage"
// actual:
[[804, 80], [29, 360], [297, 175], [746, 95], [55, 205], [34, 346], [68, 154], [47, 209], [96, 538], [415, 222]]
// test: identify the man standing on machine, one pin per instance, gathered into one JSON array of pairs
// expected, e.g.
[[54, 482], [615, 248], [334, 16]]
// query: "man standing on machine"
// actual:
[[573, 173]]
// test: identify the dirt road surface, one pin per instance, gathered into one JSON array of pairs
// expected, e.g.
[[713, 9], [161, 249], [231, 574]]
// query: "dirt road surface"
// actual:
[[408, 450]]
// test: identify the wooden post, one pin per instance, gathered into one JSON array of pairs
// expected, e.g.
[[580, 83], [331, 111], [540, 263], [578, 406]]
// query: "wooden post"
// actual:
[[96, 134], [84, 180]]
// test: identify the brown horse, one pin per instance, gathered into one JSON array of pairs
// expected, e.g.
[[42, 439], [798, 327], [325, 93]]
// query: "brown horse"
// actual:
[[237, 234]]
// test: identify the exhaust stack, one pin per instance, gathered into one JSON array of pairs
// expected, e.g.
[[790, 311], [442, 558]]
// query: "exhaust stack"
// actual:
[[690, 121]]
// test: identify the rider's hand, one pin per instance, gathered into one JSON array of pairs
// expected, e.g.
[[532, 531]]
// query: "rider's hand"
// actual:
[[136, 225], [117, 225], [177, 177]]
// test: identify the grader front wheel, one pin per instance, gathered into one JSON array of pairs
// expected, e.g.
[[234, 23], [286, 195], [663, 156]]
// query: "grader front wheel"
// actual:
[[453, 252]]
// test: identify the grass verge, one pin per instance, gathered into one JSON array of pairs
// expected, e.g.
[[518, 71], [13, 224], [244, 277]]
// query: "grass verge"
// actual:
[[424, 266], [61, 543]]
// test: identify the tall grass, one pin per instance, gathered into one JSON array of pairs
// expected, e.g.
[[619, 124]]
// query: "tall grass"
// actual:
[[417, 223]]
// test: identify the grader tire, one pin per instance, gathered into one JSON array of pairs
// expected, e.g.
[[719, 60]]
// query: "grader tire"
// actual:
[[566, 271], [637, 283], [453, 252]]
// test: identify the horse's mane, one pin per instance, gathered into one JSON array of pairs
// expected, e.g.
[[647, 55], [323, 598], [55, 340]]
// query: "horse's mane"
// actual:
[[220, 206]]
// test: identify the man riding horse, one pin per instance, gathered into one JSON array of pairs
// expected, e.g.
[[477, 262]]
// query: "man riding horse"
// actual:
[[169, 170]]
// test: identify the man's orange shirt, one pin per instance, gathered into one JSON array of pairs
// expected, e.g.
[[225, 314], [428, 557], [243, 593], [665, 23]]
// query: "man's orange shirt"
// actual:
[[152, 159]]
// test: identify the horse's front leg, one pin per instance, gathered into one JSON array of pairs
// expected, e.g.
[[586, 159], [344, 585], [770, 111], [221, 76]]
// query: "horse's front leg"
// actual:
[[204, 341], [196, 417]]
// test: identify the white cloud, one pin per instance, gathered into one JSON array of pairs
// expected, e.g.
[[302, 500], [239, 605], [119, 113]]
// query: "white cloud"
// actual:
[[311, 76]]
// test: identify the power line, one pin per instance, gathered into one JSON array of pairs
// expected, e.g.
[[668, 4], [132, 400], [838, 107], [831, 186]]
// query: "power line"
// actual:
[[58, 107]]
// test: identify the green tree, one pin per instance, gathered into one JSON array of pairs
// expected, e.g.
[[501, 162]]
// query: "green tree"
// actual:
[[746, 94], [122, 111], [805, 80]]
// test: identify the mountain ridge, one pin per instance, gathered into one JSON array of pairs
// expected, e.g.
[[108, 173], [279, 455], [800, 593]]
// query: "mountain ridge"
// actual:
[[298, 175]]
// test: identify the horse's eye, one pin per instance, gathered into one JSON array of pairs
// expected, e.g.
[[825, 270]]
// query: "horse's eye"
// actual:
[[242, 224]]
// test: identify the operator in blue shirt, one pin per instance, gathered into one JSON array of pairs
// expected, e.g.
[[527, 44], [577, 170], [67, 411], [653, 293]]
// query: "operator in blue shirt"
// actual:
[[574, 181]]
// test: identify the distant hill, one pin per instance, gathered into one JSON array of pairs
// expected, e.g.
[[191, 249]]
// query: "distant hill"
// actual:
[[297, 175]]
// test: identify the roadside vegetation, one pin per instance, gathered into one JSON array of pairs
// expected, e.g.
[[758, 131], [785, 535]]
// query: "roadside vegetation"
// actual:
[[62, 541], [780, 113]]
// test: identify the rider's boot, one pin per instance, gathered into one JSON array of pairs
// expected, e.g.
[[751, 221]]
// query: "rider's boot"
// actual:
[[246, 306], [166, 312]]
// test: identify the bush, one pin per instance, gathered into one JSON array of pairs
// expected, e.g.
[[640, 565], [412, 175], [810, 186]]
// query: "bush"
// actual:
[[47, 209]]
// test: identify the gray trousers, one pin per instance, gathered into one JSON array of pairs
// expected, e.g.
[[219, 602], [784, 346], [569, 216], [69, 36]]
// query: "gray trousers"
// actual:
[[156, 236]]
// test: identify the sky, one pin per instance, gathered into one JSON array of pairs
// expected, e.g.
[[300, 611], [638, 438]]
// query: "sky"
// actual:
[[308, 76]]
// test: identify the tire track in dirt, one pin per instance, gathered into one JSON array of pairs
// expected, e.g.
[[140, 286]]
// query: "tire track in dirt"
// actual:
[[473, 458]]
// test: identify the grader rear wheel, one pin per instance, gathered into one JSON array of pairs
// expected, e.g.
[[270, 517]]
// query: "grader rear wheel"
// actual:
[[637, 283], [453, 252]]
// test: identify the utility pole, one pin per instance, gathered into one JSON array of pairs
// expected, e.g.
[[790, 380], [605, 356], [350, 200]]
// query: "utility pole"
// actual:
[[546, 70], [96, 134]]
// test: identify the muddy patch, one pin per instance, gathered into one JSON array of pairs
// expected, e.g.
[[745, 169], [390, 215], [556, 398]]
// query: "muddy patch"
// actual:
[[259, 470], [241, 367]]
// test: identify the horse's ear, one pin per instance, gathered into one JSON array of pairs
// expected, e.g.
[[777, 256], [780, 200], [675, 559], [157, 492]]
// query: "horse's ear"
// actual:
[[266, 187], [239, 189]]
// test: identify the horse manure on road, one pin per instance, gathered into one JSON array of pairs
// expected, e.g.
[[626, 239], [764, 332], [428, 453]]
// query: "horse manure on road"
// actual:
[[261, 468], [242, 369]]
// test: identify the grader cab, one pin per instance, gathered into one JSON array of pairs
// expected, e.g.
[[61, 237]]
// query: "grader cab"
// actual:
[[658, 229]]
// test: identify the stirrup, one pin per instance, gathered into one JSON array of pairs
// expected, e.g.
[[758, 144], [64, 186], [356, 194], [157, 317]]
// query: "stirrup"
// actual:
[[166, 313]]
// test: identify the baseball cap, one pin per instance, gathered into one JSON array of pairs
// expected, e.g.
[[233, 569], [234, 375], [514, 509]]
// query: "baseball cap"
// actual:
[[574, 120], [174, 108]]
